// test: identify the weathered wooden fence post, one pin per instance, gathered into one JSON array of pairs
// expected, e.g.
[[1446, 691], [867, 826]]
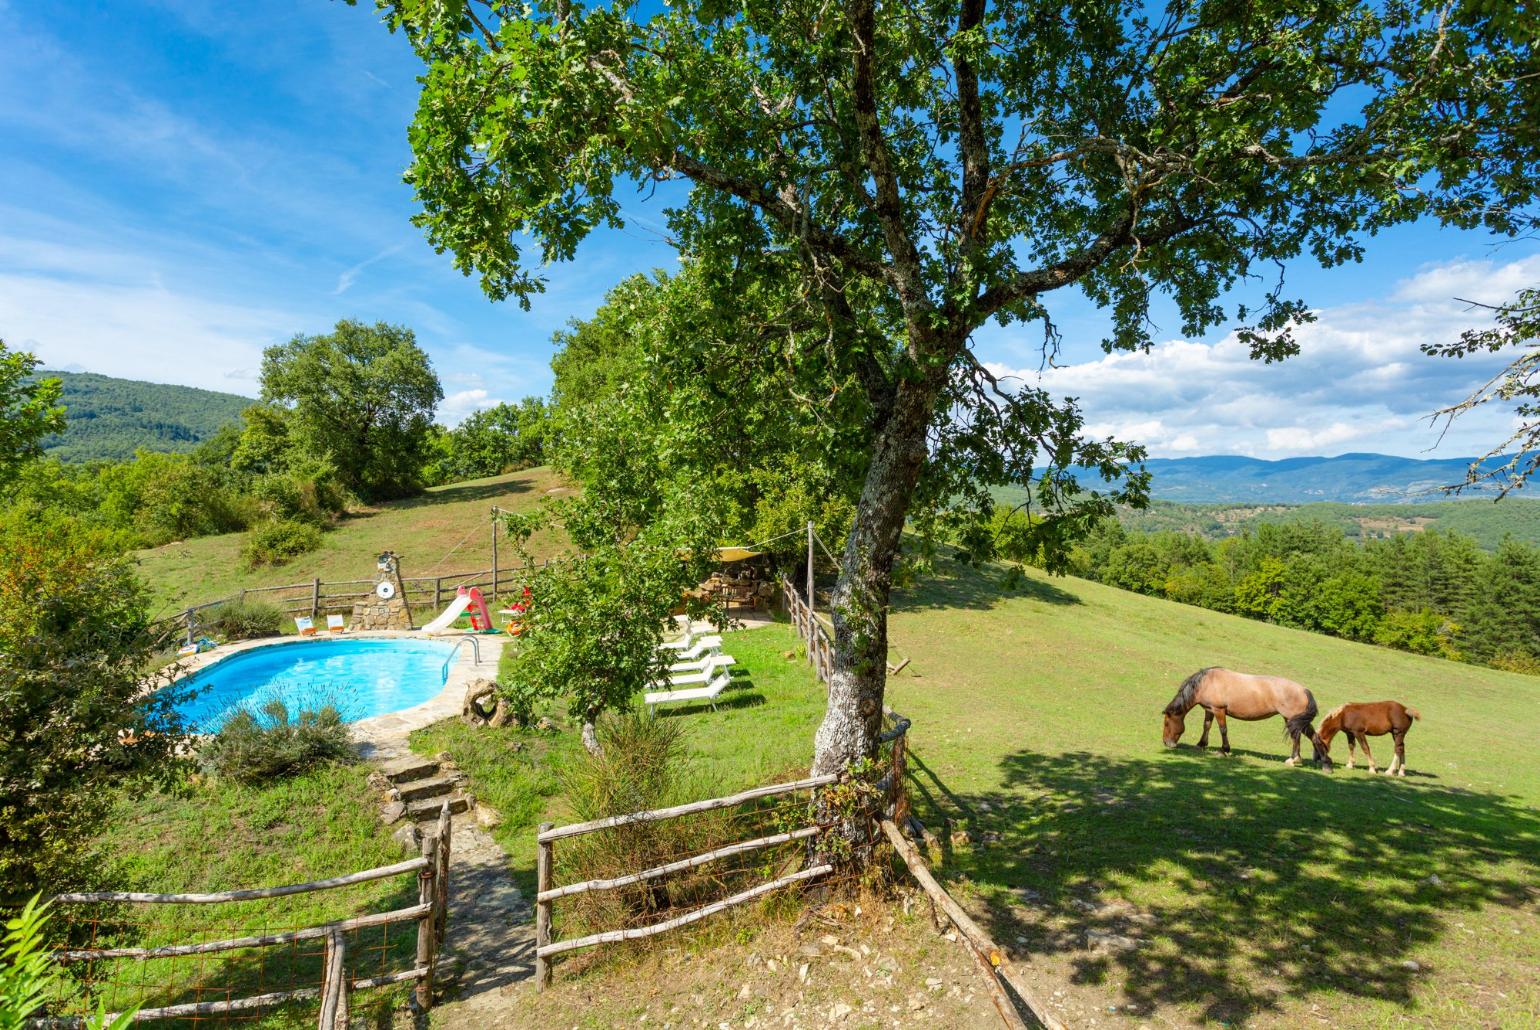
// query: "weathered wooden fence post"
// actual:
[[810, 603], [900, 792], [441, 900], [315, 597], [543, 910], [438, 591], [334, 983], [427, 893]]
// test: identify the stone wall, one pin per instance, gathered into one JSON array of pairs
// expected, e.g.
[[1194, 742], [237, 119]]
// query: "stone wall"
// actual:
[[377, 614]]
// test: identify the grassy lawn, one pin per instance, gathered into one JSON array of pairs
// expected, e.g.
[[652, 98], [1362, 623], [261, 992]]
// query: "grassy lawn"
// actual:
[[445, 530], [1246, 893], [761, 731], [216, 836]]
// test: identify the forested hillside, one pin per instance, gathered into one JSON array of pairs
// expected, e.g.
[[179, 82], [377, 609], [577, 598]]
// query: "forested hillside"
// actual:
[[1355, 478], [111, 418], [1485, 521]]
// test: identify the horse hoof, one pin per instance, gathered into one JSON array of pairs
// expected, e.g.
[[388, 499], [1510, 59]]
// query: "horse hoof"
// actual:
[[1290, 761]]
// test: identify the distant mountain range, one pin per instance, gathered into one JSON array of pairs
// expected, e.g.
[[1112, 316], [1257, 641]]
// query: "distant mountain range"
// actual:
[[1353, 478], [111, 418]]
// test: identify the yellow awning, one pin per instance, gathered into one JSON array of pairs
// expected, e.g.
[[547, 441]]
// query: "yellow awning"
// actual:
[[726, 554]]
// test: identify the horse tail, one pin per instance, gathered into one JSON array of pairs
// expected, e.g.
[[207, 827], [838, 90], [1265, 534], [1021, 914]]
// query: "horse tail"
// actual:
[[1414, 713], [1300, 722]]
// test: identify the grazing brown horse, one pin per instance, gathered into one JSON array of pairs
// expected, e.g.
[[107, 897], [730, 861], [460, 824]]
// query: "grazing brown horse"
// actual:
[[1224, 695], [1362, 721]]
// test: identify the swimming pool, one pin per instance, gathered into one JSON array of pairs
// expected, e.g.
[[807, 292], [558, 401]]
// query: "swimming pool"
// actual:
[[361, 678]]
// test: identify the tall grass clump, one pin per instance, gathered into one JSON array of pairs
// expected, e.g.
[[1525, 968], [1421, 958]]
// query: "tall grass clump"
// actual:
[[257, 747], [642, 764], [245, 620]]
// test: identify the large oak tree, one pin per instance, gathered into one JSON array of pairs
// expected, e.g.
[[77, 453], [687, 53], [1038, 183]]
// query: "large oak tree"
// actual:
[[923, 168]]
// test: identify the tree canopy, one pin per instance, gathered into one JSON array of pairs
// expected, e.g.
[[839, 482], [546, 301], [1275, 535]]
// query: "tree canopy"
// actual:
[[29, 412], [362, 398], [908, 173]]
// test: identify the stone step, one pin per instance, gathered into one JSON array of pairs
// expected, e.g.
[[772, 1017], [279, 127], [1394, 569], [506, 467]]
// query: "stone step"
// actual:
[[405, 770], [433, 786], [428, 809]]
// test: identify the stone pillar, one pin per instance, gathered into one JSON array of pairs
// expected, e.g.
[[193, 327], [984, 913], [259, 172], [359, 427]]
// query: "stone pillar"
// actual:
[[387, 608]]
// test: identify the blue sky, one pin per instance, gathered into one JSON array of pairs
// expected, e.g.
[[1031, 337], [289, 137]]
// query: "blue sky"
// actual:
[[182, 184]]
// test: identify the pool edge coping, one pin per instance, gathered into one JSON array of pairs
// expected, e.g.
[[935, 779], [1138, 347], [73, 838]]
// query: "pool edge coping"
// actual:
[[385, 733]]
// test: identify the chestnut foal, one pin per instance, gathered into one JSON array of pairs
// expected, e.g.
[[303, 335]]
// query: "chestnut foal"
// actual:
[[1362, 721]]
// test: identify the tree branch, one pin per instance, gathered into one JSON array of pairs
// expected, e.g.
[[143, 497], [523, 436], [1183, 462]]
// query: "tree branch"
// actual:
[[1072, 268], [908, 279]]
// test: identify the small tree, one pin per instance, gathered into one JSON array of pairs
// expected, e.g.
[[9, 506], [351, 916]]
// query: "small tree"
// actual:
[[29, 411], [504, 438], [363, 397], [597, 616], [75, 726]]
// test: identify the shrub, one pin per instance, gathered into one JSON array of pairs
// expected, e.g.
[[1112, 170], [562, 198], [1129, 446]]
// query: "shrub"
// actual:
[[1515, 660], [255, 747], [75, 728], [308, 492], [245, 620], [278, 542], [641, 765]]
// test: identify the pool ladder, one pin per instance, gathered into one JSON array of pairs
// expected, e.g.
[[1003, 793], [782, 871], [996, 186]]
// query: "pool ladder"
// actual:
[[475, 650]]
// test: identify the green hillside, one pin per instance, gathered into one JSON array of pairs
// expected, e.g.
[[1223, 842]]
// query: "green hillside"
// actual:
[[446, 530], [111, 418], [1236, 891]]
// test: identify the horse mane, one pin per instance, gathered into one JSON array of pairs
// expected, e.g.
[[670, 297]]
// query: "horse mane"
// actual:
[[1183, 701]]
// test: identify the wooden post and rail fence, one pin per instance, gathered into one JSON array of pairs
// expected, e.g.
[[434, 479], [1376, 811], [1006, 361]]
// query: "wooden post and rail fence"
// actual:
[[898, 818], [431, 869], [315, 597]]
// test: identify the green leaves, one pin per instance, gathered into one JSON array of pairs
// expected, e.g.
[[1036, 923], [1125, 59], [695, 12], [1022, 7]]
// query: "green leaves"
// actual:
[[361, 397], [29, 411]]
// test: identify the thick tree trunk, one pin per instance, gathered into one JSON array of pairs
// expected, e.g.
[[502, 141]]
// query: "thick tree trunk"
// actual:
[[854, 717]]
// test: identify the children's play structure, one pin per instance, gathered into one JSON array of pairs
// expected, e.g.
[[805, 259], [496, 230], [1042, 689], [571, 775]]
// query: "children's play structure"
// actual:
[[466, 599]]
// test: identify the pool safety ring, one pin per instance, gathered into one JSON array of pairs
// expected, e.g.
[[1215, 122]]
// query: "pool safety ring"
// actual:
[[386, 589]]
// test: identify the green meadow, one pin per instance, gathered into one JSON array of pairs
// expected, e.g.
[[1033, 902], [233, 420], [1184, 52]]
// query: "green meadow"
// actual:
[[1222, 890]]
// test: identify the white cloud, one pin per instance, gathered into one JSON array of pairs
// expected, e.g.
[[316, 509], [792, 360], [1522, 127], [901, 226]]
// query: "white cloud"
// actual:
[[456, 406], [350, 276], [1361, 381]]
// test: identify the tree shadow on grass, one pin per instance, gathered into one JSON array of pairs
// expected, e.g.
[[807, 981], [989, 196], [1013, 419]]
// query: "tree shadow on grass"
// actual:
[[1289, 882], [977, 588], [466, 492]]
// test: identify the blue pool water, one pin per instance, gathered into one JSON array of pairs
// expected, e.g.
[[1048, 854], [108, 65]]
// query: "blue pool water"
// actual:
[[359, 677]]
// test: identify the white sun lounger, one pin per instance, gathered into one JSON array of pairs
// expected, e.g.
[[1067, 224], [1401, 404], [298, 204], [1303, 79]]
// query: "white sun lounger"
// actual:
[[708, 693], [702, 647], [678, 645], [336, 624], [705, 665], [703, 675]]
